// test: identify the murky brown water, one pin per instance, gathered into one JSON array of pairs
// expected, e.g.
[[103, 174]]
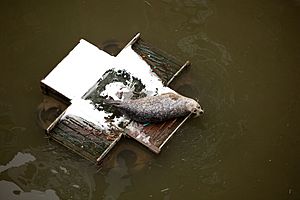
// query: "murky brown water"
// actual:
[[246, 59]]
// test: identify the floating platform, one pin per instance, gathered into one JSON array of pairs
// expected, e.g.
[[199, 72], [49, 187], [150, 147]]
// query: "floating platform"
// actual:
[[87, 75]]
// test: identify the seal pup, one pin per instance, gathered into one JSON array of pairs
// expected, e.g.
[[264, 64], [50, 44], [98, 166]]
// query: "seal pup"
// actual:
[[155, 109]]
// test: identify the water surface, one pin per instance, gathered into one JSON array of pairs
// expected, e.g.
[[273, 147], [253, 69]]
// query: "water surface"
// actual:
[[245, 72]]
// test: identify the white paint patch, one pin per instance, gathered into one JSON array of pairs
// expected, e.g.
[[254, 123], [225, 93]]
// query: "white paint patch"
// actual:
[[130, 61], [142, 137], [115, 90], [86, 110]]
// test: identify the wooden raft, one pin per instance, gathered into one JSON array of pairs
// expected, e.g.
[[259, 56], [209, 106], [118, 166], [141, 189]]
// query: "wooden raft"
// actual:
[[89, 139]]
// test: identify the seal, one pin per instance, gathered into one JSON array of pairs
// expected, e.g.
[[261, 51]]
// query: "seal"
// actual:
[[155, 109]]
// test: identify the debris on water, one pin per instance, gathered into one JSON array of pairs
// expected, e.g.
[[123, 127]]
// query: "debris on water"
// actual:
[[149, 4], [64, 169], [76, 186], [54, 171], [165, 190]]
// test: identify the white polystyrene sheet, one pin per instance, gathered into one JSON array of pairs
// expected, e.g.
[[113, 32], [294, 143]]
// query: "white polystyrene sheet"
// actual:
[[79, 70]]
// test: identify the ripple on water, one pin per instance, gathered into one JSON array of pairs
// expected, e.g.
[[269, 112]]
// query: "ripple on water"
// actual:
[[211, 63], [212, 85], [195, 12]]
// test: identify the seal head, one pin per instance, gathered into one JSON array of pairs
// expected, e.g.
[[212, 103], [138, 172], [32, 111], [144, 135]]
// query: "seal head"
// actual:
[[194, 107]]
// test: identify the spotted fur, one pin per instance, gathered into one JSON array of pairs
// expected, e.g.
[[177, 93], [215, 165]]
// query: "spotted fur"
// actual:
[[155, 109]]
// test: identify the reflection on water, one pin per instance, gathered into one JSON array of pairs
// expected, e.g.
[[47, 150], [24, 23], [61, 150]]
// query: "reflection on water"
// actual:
[[18, 160], [51, 169], [48, 110], [125, 160], [118, 180], [10, 190]]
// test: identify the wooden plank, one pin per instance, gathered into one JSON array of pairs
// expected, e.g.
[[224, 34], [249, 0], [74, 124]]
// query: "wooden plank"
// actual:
[[86, 140], [154, 136], [162, 63]]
